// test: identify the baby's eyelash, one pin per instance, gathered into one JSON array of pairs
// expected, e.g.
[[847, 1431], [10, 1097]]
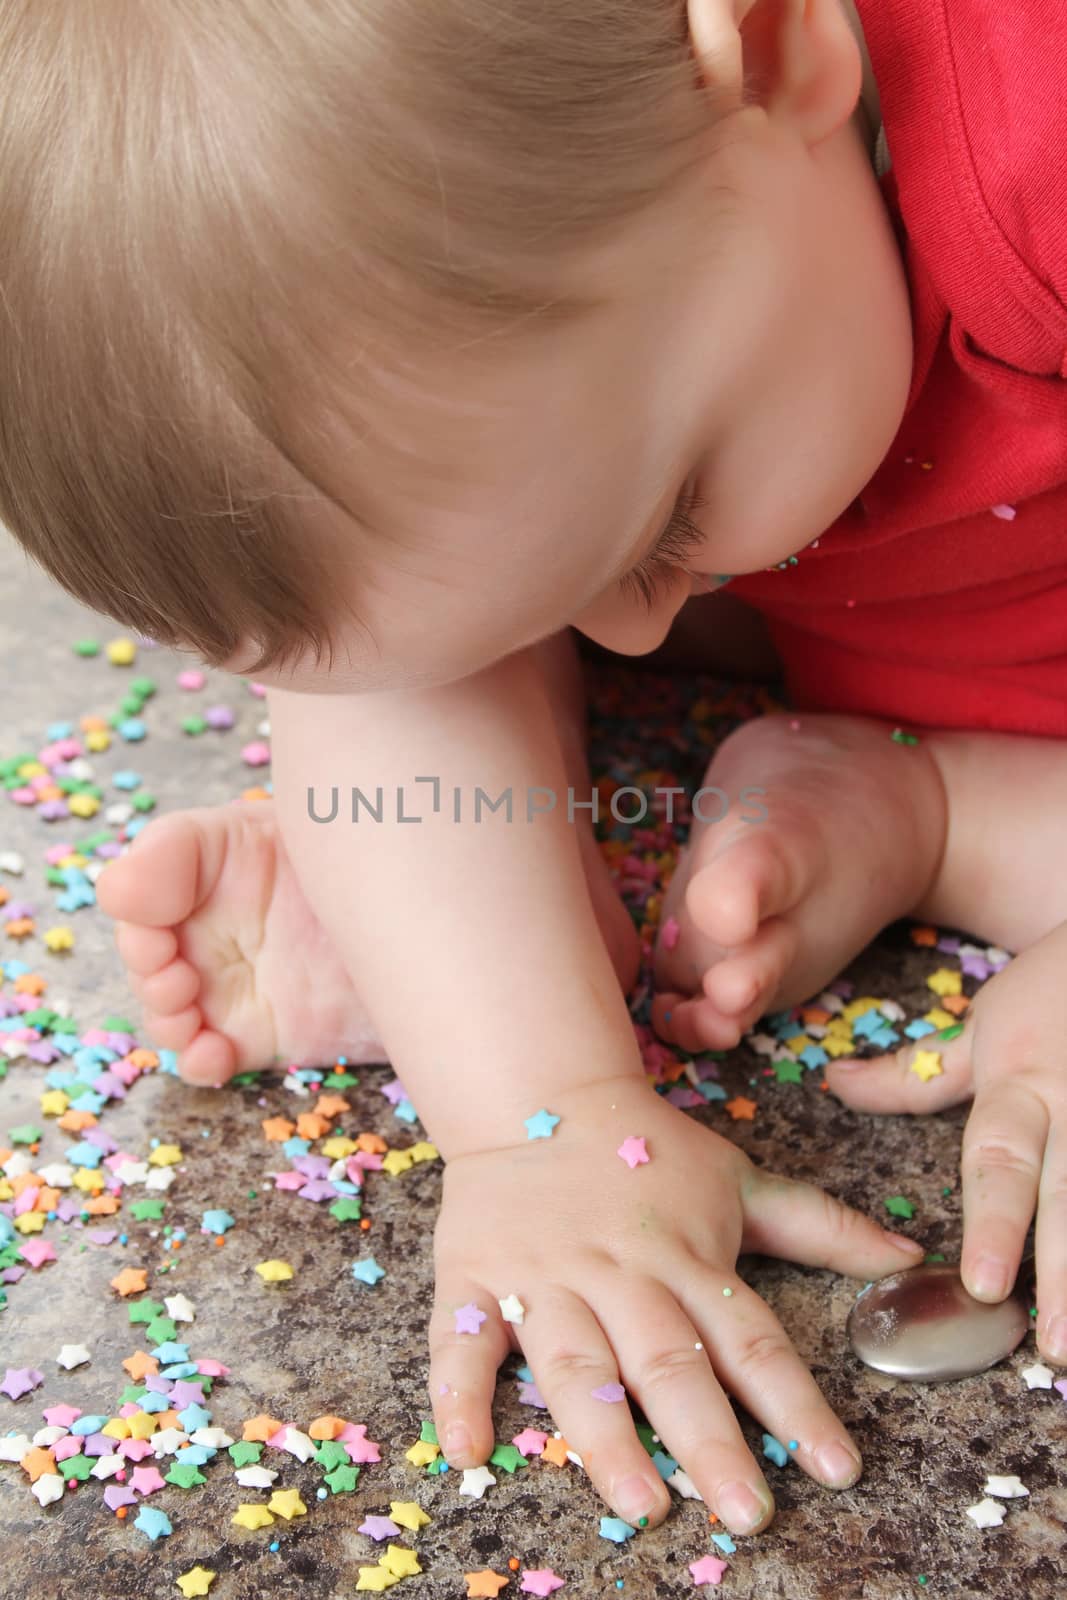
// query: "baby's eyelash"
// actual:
[[679, 539]]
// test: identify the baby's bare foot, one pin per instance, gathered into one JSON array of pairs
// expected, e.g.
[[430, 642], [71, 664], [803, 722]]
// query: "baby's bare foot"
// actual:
[[760, 915], [223, 951], [228, 960]]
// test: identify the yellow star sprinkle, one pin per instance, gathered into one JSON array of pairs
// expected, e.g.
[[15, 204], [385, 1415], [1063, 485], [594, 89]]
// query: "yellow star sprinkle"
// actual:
[[30, 1222], [142, 1425], [287, 1503], [835, 1045], [274, 1271], [397, 1161], [408, 1514], [252, 1517], [90, 1181], [196, 1581], [927, 1064], [424, 1151], [422, 1453], [376, 1578], [165, 1155], [57, 939], [939, 1018], [53, 1103], [401, 1562], [945, 981], [338, 1148], [117, 1428]]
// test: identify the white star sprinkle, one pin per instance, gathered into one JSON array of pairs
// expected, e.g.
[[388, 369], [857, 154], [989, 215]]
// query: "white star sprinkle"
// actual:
[[476, 1480], [178, 1308], [1037, 1377], [512, 1309], [73, 1355], [986, 1514], [1006, 1488]]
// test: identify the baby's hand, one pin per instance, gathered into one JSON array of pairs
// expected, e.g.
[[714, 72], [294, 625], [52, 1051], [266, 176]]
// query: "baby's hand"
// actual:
[[629, 1274], [1011, 1055]]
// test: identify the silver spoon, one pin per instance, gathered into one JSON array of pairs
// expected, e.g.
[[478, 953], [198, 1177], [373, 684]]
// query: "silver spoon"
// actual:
[[921, 1324]]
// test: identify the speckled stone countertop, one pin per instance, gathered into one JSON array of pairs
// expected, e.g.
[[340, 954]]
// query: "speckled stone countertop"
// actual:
[[324, 1344]]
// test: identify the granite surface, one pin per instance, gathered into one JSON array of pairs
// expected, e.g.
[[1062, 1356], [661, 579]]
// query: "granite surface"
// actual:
[[326, 1344]]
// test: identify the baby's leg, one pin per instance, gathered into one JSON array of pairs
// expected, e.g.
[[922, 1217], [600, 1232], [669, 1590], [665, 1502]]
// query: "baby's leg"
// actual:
[[230, 964], [761, 914]]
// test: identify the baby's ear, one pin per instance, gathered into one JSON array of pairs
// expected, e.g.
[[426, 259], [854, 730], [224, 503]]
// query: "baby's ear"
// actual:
[[798, 59]]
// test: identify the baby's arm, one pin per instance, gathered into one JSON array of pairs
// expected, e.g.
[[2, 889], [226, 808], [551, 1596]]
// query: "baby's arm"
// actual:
[[477, 951]]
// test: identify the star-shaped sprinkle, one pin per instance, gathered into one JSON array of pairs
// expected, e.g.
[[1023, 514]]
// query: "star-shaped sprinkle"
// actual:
[[180, 1310], [669, 933], [131, 1280], [275, 1271], [633, 1152], [555, 1450], [409, 1514], [986, 1514], [615, 1529], [287, 1503], [740, 1108], [48, 1488], [197, 1581], [367, 1271], [709, 1569], [926, 1064], [476, 1480], [530, 1442], [145, 1480], [19, 1381], [255, 1477], [252, 1517], [541, 1581], [1006, 1488], [185, 1475], [342, 1479], [73, 1355], [1037, 1377], [37, 1251], [469, 1318], [376, 1579], [611, 1393], [400, 1561], [484, 1585], [154, 1524], [379, 1528], [512, 1309], [540, 1125]]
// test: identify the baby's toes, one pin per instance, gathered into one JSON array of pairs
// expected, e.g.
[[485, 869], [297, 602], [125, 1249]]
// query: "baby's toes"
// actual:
[[209, 1060], [173, 1030], [693, 1024], [144, 951], [743, 984], [172, 989], [753, 877]]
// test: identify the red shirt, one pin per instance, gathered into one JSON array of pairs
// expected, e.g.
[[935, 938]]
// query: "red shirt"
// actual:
[[922, 603]]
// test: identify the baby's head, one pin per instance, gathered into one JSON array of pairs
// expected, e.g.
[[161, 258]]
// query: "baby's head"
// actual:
[[362, 342]]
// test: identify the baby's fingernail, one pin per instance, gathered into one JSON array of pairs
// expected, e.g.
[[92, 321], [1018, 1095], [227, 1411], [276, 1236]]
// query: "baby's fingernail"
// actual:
[[1056, 1339], [900, 1241], [457, 1440], [634, 1498], [990, 1277], [839, 1465], [740, 1507]]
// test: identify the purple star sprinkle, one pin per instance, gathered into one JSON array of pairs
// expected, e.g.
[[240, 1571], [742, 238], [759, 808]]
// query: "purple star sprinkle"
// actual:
[[469, 1319]]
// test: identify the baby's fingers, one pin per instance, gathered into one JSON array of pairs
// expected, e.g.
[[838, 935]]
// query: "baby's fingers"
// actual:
[[798, 1222], [468, 1341], [1000, 1169]]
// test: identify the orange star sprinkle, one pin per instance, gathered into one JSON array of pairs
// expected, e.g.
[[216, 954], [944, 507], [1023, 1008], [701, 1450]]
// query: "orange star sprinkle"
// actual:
[[141, 1365], [485, 1585], [74, 1121], [740, 1108], [37, 1462], [331, 1105], [131, 1280], [372, 1143], [309, 1125], [326, 1427], [924, 936], [278, 1129], [30, 983], [956, 1003], [260, 1429], [555, 1451], [143, 1058]]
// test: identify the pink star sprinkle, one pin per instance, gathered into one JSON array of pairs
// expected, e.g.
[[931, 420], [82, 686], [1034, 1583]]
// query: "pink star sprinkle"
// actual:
[[633, 1152], [540, 1582], [707, 1570], [669, 936], [38, 1251], [530, 1442], [610, 1392], [469, 1319]]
